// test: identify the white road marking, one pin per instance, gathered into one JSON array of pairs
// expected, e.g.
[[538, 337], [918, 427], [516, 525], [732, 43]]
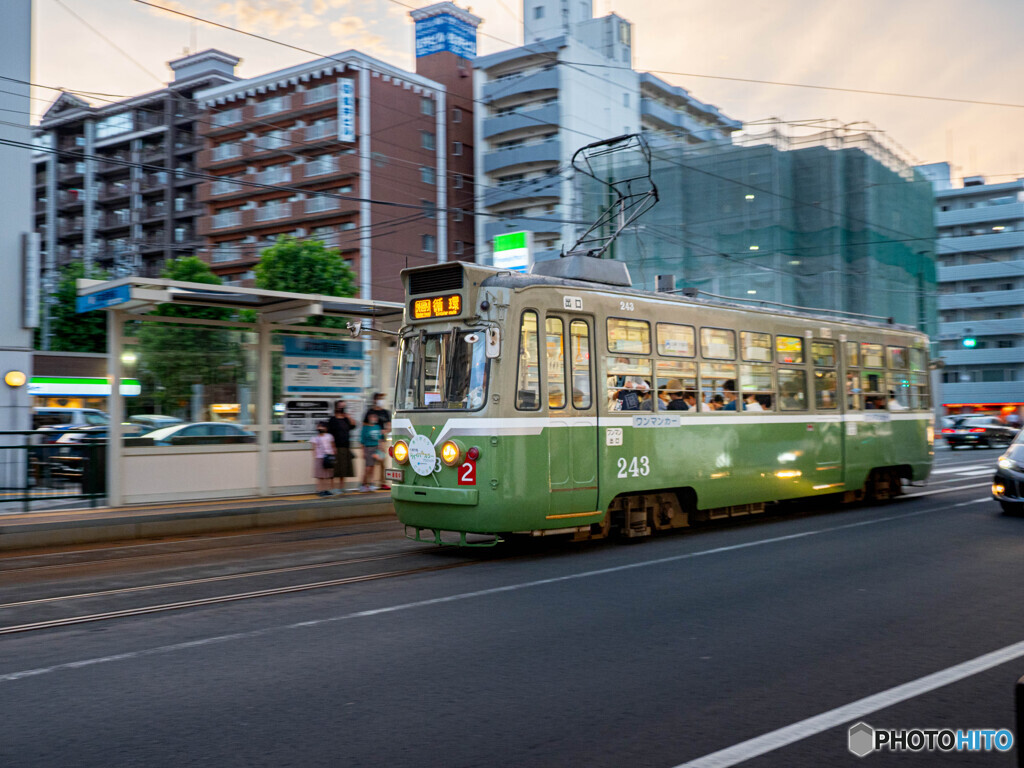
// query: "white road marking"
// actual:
[[964, 468], [812, 726], [944, 490], [978, 472], [976, 501], [12, 676]]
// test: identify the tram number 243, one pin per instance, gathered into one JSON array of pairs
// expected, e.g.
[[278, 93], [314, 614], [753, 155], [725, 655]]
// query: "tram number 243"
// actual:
[[635, 467]]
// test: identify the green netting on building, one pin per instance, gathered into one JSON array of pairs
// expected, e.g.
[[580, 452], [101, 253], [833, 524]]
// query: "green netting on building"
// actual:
[[831, 222]]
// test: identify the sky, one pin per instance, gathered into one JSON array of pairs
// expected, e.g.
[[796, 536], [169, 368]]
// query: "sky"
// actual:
[[955, 49]]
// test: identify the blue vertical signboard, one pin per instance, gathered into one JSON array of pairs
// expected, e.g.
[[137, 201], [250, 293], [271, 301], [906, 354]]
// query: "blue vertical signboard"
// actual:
[[444, 32], [347, 110]]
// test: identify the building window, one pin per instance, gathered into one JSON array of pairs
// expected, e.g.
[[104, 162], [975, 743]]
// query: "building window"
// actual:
[[427, 175], [429, 243], [426, 106], [460, 247], [458, 215], [538, 12], [457, 148], [458, 181], [456, 115], [427, 140], [625, 99], [429, 209]]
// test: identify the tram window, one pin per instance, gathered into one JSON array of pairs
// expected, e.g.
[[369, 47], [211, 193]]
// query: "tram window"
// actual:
[[718, 344], [871, 355], [852, 354], [718, 386], [919, 395], [579, 349], [899, 392], [678, 381], [872, 383], [918, 360], [756, 346], [898, 358], [853, 391], [823, 353], [825, 393], [528, 377], [629, 336], [676, 340], [629, 382], [789, 349], [554, 338], [792, 390], [756, 386]]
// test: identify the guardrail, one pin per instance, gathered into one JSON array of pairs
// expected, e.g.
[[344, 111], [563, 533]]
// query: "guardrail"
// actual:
[[33, 472]]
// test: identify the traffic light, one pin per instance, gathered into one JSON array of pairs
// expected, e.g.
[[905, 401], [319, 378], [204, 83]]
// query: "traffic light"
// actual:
[[969, 342]]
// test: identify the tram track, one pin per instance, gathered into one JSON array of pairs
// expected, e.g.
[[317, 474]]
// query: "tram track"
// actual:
[[218, 599]]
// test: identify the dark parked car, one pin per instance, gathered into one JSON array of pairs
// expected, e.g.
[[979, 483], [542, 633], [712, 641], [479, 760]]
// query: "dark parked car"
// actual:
[[1008, 483], [978, 431], [200, 433]]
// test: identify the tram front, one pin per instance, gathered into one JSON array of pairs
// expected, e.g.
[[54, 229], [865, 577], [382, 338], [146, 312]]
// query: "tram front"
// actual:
[[446, 459]]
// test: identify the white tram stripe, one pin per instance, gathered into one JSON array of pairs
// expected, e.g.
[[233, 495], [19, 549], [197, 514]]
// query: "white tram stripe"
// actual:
[[241, 636], [848, 713]]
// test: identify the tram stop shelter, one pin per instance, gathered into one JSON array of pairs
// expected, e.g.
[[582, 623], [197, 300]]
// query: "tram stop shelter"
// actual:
[[213, 342]]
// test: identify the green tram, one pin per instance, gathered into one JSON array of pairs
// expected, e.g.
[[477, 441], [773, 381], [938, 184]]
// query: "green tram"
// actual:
[[568, 403]]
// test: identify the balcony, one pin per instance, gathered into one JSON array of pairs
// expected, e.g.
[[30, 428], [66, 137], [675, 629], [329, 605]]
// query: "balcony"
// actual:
[[226, 219], [531, 189], [544, 80], [187, 143], [321, 166], [521, 119], [67, 198], [273, 211], [549, 151], [327, 129], [981, 300], [115, 220], [547, 224], [320, 94], [155, 180], [154, 211], [1000, 241], [989, 269], [153, 152], [666, 118], [114, 163], [115, 190], [979, 328], [275, 174], [988, 356], [226, 117], [322, 203], [979, 392], [226, 151], [67, 171], [983, 215]]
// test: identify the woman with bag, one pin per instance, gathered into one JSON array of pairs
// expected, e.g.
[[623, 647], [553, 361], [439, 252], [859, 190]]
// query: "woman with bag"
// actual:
[[324, 456]]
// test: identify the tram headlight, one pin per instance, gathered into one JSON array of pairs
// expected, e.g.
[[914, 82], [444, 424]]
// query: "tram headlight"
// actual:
[[400, 451], [450, 453]]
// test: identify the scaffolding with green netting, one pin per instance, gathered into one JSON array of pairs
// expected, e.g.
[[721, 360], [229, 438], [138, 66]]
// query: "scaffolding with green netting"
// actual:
[[836, 220]]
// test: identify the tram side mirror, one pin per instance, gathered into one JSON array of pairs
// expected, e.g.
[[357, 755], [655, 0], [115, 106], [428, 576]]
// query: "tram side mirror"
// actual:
[[355, 328], [471, 338], [493, 349]]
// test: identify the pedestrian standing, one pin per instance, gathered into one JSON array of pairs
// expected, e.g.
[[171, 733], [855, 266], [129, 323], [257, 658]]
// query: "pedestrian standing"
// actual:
[[384, 422], [370, 438], [340, 427], [323, 459]]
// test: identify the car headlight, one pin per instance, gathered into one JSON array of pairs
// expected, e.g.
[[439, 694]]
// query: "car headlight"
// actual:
[[1005, 463], [400, 450]]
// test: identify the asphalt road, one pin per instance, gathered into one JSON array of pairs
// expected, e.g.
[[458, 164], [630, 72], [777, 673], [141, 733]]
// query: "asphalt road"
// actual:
[[754, 644]]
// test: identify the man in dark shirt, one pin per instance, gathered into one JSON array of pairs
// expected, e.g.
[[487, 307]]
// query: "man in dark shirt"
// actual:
[[340, 426]]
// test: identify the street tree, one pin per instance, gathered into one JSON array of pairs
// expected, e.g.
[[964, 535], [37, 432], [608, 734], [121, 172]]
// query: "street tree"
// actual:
[[70, 331]]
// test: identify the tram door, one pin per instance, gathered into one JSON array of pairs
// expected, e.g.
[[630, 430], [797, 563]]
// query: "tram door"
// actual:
[[572, 415]]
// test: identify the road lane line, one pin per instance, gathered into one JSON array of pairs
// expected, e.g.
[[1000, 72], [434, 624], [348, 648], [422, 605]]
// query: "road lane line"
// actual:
[[812, 726], [976, 501], [963, 468], [943, 490], [12, 676]]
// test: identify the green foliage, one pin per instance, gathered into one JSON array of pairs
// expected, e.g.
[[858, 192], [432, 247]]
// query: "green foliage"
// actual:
[[174, 357], [70, 331], [305, 266]]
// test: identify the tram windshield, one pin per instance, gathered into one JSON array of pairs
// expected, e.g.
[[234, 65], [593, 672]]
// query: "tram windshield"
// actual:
[[446, 371]]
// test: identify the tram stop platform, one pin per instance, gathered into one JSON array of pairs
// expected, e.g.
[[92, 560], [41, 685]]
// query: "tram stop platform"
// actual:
[[53, 528]]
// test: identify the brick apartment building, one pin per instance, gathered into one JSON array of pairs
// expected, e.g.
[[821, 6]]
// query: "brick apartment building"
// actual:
[[369, 158]]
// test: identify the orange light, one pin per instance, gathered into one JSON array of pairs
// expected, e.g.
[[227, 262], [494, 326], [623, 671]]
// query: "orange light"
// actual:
[[448, 305], [450, 453], [400, 450]]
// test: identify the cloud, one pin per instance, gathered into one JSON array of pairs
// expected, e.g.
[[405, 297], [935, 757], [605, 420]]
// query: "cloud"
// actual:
[[353, 32]]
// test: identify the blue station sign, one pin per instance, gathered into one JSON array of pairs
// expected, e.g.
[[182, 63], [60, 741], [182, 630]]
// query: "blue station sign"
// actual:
[[444, 32], [110, 297]]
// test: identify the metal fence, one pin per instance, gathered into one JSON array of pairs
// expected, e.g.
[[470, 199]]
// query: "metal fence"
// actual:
[[35, 473]]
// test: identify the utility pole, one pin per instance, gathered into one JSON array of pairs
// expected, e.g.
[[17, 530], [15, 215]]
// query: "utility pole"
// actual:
[[19, 295]]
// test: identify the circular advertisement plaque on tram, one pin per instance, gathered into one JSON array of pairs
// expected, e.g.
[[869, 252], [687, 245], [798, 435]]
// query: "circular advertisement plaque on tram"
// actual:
[[422, 458]]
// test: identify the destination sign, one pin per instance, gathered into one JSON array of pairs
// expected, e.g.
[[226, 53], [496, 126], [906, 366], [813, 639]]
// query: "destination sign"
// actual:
[[449, 305]]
